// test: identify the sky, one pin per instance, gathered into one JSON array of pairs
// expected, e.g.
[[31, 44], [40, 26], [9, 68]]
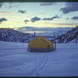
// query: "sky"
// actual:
[[38, 14]]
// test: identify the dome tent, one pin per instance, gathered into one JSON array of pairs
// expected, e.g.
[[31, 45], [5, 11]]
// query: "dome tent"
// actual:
[[40, 44]]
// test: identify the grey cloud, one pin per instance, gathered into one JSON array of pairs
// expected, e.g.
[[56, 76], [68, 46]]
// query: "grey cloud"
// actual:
[[70, 7], [1, 4], [34, 19], [52, 18], [26, 21], [2, 19], [75, 18], [22, 11]]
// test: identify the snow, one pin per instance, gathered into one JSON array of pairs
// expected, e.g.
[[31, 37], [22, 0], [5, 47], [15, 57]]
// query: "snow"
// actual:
[[15, 60], [74, 41]]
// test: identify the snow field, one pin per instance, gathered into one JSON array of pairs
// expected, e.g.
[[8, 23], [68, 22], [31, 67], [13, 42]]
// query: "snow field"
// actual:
[[15, 60]]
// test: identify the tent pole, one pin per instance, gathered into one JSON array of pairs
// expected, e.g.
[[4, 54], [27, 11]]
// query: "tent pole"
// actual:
[[54, 40], [34, 34]]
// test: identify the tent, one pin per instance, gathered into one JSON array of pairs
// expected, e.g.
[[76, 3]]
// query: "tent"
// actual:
[[40, 44]]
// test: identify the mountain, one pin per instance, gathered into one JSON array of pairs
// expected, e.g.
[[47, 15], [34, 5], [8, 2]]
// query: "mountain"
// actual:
[[7, 34], [44, 31], [23, 29], [68, 36], [62, 35]]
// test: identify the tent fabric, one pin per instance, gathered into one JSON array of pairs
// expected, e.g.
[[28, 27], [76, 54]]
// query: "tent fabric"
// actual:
[[40, 42]]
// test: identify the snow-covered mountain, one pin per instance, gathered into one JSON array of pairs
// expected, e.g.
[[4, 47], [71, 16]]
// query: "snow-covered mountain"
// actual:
[[44, 31], [62, 35], [42, 28], [7, 34], [15, 60], [68, 36]]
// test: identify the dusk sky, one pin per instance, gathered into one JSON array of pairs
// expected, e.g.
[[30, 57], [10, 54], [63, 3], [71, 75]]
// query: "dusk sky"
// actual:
[[38, 14]]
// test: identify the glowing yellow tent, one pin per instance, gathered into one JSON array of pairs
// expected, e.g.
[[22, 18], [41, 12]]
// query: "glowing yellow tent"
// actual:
[[40, 44]]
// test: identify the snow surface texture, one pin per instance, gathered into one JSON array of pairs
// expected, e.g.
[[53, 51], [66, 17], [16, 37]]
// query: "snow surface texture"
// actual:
[[15, 60]]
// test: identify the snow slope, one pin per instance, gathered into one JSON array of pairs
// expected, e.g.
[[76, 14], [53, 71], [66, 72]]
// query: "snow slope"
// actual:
[[15, 60]]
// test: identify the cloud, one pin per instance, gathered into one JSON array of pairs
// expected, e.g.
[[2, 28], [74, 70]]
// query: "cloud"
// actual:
[[47, 3], [26, 21], [1, 4], [2, 19], [34, 19], [52, 18], [75, 18], [70, 7], [22, 11], [67, 18]]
